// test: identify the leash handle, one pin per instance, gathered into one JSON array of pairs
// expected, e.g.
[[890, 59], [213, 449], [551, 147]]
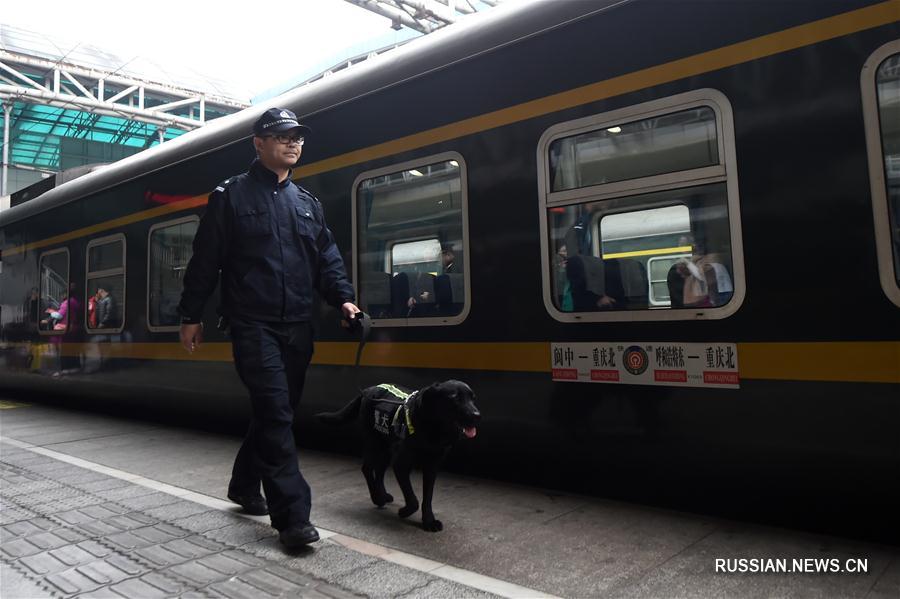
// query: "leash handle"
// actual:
[[362, 323]]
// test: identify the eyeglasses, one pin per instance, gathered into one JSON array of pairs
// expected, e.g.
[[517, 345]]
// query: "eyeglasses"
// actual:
[[288, 140]]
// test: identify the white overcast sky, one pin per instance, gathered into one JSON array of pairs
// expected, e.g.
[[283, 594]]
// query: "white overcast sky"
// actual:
[[258, 44]]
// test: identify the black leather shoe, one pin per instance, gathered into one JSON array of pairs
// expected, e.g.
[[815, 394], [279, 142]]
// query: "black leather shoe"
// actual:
[[255, 506], [298, 535]]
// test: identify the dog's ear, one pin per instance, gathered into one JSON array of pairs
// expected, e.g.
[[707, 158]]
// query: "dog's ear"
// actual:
[[462, 386], [433, 399], [454, 389], [430, 388], [436, 387]]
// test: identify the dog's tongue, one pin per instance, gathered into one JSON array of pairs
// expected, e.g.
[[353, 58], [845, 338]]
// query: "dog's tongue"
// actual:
[[470, 432]]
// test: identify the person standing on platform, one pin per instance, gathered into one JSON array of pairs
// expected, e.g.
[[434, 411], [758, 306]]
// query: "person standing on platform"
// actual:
[[268, 237]]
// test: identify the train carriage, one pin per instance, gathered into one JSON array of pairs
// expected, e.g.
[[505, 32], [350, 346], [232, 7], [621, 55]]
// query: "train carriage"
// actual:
[[674, 242]]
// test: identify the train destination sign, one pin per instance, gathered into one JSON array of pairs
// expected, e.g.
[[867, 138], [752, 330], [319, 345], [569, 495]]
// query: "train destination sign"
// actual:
[[671, 364]]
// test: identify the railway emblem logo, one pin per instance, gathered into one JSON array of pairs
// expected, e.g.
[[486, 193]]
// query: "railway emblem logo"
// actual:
[[285, 115], [635, 360]]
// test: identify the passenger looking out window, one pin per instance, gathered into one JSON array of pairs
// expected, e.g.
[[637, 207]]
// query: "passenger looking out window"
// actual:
[[92, 312], [106, 307], [702, 279], [106, 284]]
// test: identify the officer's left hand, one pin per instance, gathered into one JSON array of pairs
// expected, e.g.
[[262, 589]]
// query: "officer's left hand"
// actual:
[[350, 310]]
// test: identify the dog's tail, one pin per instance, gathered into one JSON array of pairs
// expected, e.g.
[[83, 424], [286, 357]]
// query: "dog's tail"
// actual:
[[345, 414]]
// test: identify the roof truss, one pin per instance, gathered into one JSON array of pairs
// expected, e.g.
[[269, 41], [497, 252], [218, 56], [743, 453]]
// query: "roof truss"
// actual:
[[40, 81], [423, 15]]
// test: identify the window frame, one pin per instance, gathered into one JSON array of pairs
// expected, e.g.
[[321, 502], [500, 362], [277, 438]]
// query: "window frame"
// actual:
[[68, 285], [725, 172], [464, 197], [877, 177], [162, 225], [111, 272]]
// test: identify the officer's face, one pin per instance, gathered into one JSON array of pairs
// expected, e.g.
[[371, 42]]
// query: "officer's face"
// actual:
[[274, 154]]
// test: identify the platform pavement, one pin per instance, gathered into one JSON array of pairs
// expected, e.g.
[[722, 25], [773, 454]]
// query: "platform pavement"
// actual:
[[101, 506]]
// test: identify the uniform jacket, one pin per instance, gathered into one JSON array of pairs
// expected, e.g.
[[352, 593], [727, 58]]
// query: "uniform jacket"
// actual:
[[271, 243]]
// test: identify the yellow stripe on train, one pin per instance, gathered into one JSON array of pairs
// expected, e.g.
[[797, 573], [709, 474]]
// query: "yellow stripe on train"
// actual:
[[840, 361]]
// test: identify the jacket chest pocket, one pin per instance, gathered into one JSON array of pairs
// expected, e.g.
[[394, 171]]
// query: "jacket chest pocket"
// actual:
[[306, 223], [253, 222]]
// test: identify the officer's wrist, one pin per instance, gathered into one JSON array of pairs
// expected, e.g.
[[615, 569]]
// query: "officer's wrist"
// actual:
[[191, 320]]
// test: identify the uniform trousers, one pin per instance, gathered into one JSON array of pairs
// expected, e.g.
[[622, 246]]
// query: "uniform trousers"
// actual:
[[271, 359]]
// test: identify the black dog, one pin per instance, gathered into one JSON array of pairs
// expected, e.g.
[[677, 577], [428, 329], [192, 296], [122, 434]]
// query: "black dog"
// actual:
[[416, 429]]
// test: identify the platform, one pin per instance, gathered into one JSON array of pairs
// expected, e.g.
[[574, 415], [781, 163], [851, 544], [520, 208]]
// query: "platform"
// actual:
[[98, 506]]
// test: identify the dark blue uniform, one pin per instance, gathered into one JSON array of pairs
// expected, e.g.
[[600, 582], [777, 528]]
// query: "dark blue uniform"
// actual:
[[271, 243], [272, 246]]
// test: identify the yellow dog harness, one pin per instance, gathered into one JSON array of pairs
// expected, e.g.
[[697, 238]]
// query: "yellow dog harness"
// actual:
[[404, 397]]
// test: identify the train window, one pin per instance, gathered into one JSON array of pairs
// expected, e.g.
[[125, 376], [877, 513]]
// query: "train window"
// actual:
[[410, 235], [57, 309], [170, 250], [662, 144], [881, 99], [640, 213], [105, 285]]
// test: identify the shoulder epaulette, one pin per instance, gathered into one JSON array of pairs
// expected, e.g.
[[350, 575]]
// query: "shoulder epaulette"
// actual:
[[221, 186], [306, 191]]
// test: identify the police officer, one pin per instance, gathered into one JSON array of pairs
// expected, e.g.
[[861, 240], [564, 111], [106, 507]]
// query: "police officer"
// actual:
[[267, 236]]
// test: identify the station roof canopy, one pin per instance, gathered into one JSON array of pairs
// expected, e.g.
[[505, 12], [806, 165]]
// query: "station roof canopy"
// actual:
[[55, 91]]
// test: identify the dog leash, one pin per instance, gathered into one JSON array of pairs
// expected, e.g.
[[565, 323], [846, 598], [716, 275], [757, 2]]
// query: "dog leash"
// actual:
[[363, 324]]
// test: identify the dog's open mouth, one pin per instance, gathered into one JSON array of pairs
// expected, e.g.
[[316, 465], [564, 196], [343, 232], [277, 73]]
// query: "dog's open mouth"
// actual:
[[470, 432]]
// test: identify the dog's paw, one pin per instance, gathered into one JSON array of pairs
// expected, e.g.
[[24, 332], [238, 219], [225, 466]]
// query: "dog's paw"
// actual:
[[432, 525], [383, 499], [408, 510]]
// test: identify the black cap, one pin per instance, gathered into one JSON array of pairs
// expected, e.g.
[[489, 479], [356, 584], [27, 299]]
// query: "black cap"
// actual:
[[278, 120]]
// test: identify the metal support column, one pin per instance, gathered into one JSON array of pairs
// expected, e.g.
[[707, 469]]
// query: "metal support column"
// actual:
[[7, 114]]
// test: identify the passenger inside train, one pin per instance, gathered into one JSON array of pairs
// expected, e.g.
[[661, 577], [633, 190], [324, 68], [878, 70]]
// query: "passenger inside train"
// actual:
[[701, 281], [106, 309]]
